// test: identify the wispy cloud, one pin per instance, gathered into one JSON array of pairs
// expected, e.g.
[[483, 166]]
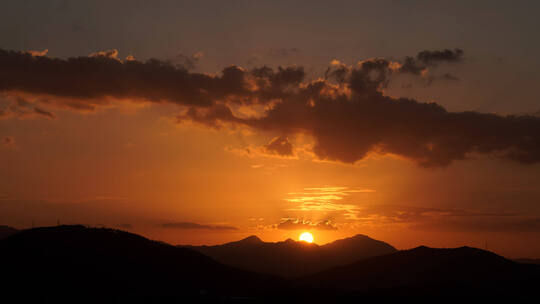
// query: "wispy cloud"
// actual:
[[300, 224], [326, 200], [195, 226]]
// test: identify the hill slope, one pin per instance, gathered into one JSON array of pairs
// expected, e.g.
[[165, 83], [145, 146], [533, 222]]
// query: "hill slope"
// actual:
[[426, 270], [291, 258], [75, 261], [6, 231]]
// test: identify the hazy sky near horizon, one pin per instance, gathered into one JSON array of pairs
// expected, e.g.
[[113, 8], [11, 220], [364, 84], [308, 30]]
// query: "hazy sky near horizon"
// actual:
[[205, 147]]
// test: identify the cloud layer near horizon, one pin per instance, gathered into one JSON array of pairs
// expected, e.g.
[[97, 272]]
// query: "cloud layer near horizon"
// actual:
[[346, 112], [195, 226]]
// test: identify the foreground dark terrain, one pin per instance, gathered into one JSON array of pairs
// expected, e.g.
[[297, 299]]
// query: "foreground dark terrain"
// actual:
[[78, 264], [75, 263]]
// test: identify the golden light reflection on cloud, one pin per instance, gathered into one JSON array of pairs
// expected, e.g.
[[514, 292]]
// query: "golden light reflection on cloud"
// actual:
[[327, 200]]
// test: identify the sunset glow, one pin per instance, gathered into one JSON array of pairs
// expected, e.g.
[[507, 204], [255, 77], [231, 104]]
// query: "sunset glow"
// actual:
[[269, 151], [204, 123], [306, 237]]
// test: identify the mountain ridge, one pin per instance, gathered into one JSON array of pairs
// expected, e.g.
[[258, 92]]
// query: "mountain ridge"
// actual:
[[429, 270], [88, 265], [290, 258]]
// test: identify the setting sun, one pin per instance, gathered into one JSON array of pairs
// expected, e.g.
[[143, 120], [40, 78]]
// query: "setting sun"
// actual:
[[306, 237]]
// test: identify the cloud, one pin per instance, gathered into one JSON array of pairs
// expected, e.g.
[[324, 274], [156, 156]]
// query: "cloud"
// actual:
[[38, 53], [353, 118], [280, 145], [110, 54], [195, 226], [436, 57], [418, 65], [298, 224], [346, 113], [42, 112], [22, 109], [89, 80], [189, 62]]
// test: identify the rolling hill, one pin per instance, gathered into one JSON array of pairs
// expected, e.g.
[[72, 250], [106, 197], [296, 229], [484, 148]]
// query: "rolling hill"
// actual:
[[79, 263], [426, 271]]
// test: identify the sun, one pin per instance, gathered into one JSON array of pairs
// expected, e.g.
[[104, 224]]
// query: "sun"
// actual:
[[306, 237]]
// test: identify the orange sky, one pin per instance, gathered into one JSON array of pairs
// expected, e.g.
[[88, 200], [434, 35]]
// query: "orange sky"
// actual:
[[112, 168], [151, 148]]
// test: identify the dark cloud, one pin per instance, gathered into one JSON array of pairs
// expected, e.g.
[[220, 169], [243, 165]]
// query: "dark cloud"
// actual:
[[103, 75], [352, 118], [20, 108], [436, 57], [425, 59], [195, 226], [411, 66], [298, 224], [346, 113], [280, 145], [188, 62], [42, 112]]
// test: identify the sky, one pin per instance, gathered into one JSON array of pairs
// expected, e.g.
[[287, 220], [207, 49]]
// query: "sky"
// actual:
[[203, 122]]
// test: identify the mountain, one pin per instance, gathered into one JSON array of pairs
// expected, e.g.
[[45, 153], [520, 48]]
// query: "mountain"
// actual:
[[6, 231], [79, 263], [428, 271], [293, 259], [76, 264]]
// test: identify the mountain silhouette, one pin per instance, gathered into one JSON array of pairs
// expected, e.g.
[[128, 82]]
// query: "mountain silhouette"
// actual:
[[76, 264], [6, 231], [74, 261], [429, 271], [291, 258]]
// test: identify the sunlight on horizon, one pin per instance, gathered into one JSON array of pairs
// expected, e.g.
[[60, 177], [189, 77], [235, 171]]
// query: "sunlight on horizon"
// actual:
[[306, 237]]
